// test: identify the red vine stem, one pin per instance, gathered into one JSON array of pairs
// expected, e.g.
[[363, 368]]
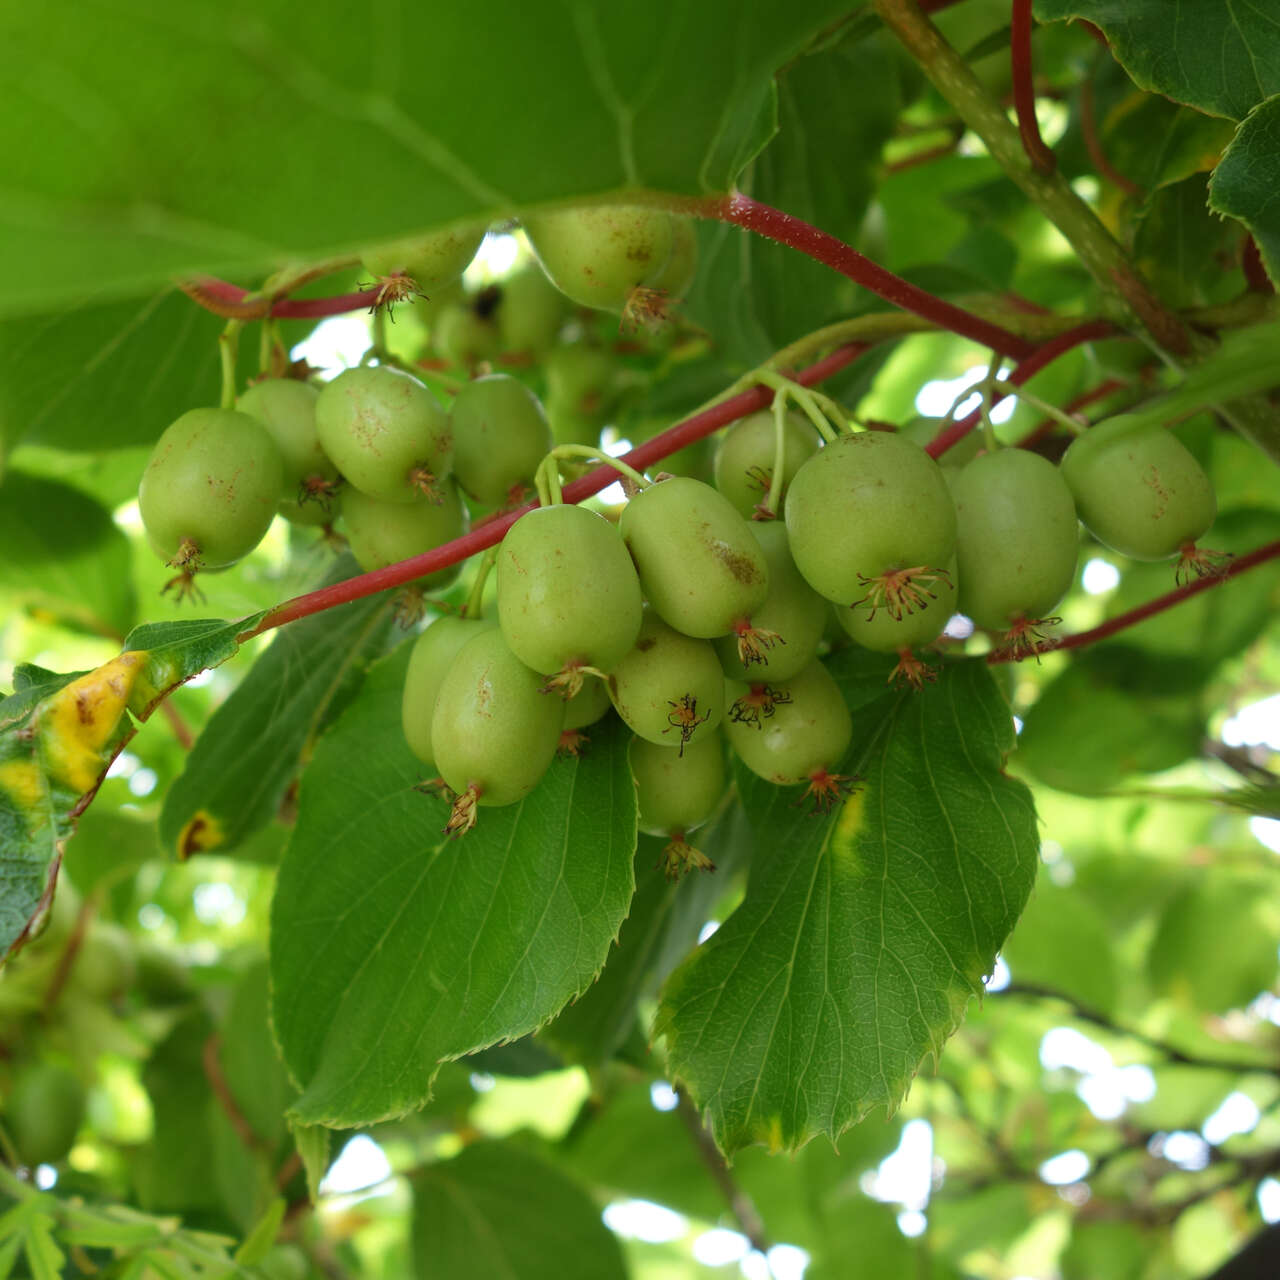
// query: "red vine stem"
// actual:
[[493, 530], [1024, 93], [1144, 611], [233, 303], [743, 211], [1032, 365], [1093, 143]]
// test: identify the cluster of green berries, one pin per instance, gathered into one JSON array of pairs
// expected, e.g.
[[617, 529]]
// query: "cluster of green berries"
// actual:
[[702, 613]]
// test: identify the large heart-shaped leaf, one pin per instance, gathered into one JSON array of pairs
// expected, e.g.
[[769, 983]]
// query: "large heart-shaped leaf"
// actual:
[[395, 948], [864, 933]]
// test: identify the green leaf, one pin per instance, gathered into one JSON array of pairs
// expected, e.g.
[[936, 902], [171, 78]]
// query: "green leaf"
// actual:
[[394, 948], [755, 295], [312, 1141], [496, 1210], [59, 734], [1095, 724], [257, 1244], [250, 1061], [1062, 941], [1221, 58], [1244, 184], [43, 1255], [661, 926], [61, 556], [172, 1172], [98, 374], [610, 99], [1190, 957], [1157, 143], [248, 753], [863, 934]]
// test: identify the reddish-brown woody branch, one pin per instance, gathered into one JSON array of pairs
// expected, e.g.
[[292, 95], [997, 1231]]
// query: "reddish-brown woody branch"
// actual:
[[1024, 93], [1032, 365], [742, 211], [1131, 618], [233, 303], [492, 531]]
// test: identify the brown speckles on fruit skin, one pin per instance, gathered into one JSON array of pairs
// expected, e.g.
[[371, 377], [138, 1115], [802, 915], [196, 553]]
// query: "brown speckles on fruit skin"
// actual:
[[699, 563]]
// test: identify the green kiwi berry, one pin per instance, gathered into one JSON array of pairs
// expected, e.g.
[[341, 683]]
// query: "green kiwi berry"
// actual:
[[530, 312], [44, 1112], [493, 730], [1141, 493], [210, 488], [430, 260], [745, 455], [568, 594], [793, 612], [384, 533], [500, 435], [669, 689], [700, 567], [676, 792], [429, 661], [287, 408], [1017, 538], [870, 519], [386, 433]]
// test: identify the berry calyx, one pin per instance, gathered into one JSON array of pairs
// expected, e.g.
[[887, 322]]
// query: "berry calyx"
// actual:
[[901, 592]]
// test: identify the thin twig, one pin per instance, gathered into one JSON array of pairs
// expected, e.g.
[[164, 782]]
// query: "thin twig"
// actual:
[[1142, 612], [740, 1203], [226, 1099], [1024, 93], [67, 960], [1086, 1013], [1093, 143]]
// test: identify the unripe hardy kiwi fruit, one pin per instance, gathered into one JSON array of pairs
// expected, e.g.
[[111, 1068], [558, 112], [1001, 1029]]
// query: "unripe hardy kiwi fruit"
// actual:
[[386, 433], [871, 520], [676, 792], [430, 260], [210, 488], [745, 455], [500, 435], [44, 1111], [429, 661], [384, 533], [287, 408]]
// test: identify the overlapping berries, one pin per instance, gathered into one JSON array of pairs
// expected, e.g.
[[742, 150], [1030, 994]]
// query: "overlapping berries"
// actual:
[[699, 614]]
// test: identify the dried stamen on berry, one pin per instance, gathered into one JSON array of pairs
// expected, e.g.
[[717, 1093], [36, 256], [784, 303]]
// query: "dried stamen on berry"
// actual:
[[427, 483], [397, 287], [912, 671], [684, 717], [759, 477], [753, 641], [647, 309], [434, 787], [183, 584], [318, 489], [757, 704], [567, 682], [410, 606], [900, 592], [1027, 638], [1199, 562], [825, 789], [462, 817], [680, 856], [572, 742]]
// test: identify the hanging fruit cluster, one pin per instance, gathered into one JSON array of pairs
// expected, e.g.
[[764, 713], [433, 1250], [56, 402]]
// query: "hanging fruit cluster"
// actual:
[[701, 612]]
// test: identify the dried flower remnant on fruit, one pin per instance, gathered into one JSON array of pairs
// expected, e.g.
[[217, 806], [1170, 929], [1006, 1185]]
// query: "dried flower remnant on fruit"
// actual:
[[758, 704], [912, 671], [825, 789], [1027, 638], [684, 717], [679, 857], [900, 592]]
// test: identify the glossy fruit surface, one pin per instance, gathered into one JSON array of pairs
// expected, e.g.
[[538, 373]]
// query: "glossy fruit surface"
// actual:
[[1141, 493], [43, 1113], [431, 260], [806, 731], [700, 567], [429, 661], [568, 594], [385, 432], [500, 435], [1017, 537], [383, 533], [669, 689], [287, 408], [492, 729], [598, 255], [678, 791], [793, 611], [213, 480], [588, 705], [744, 458], [676, 278], [865, 504]]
